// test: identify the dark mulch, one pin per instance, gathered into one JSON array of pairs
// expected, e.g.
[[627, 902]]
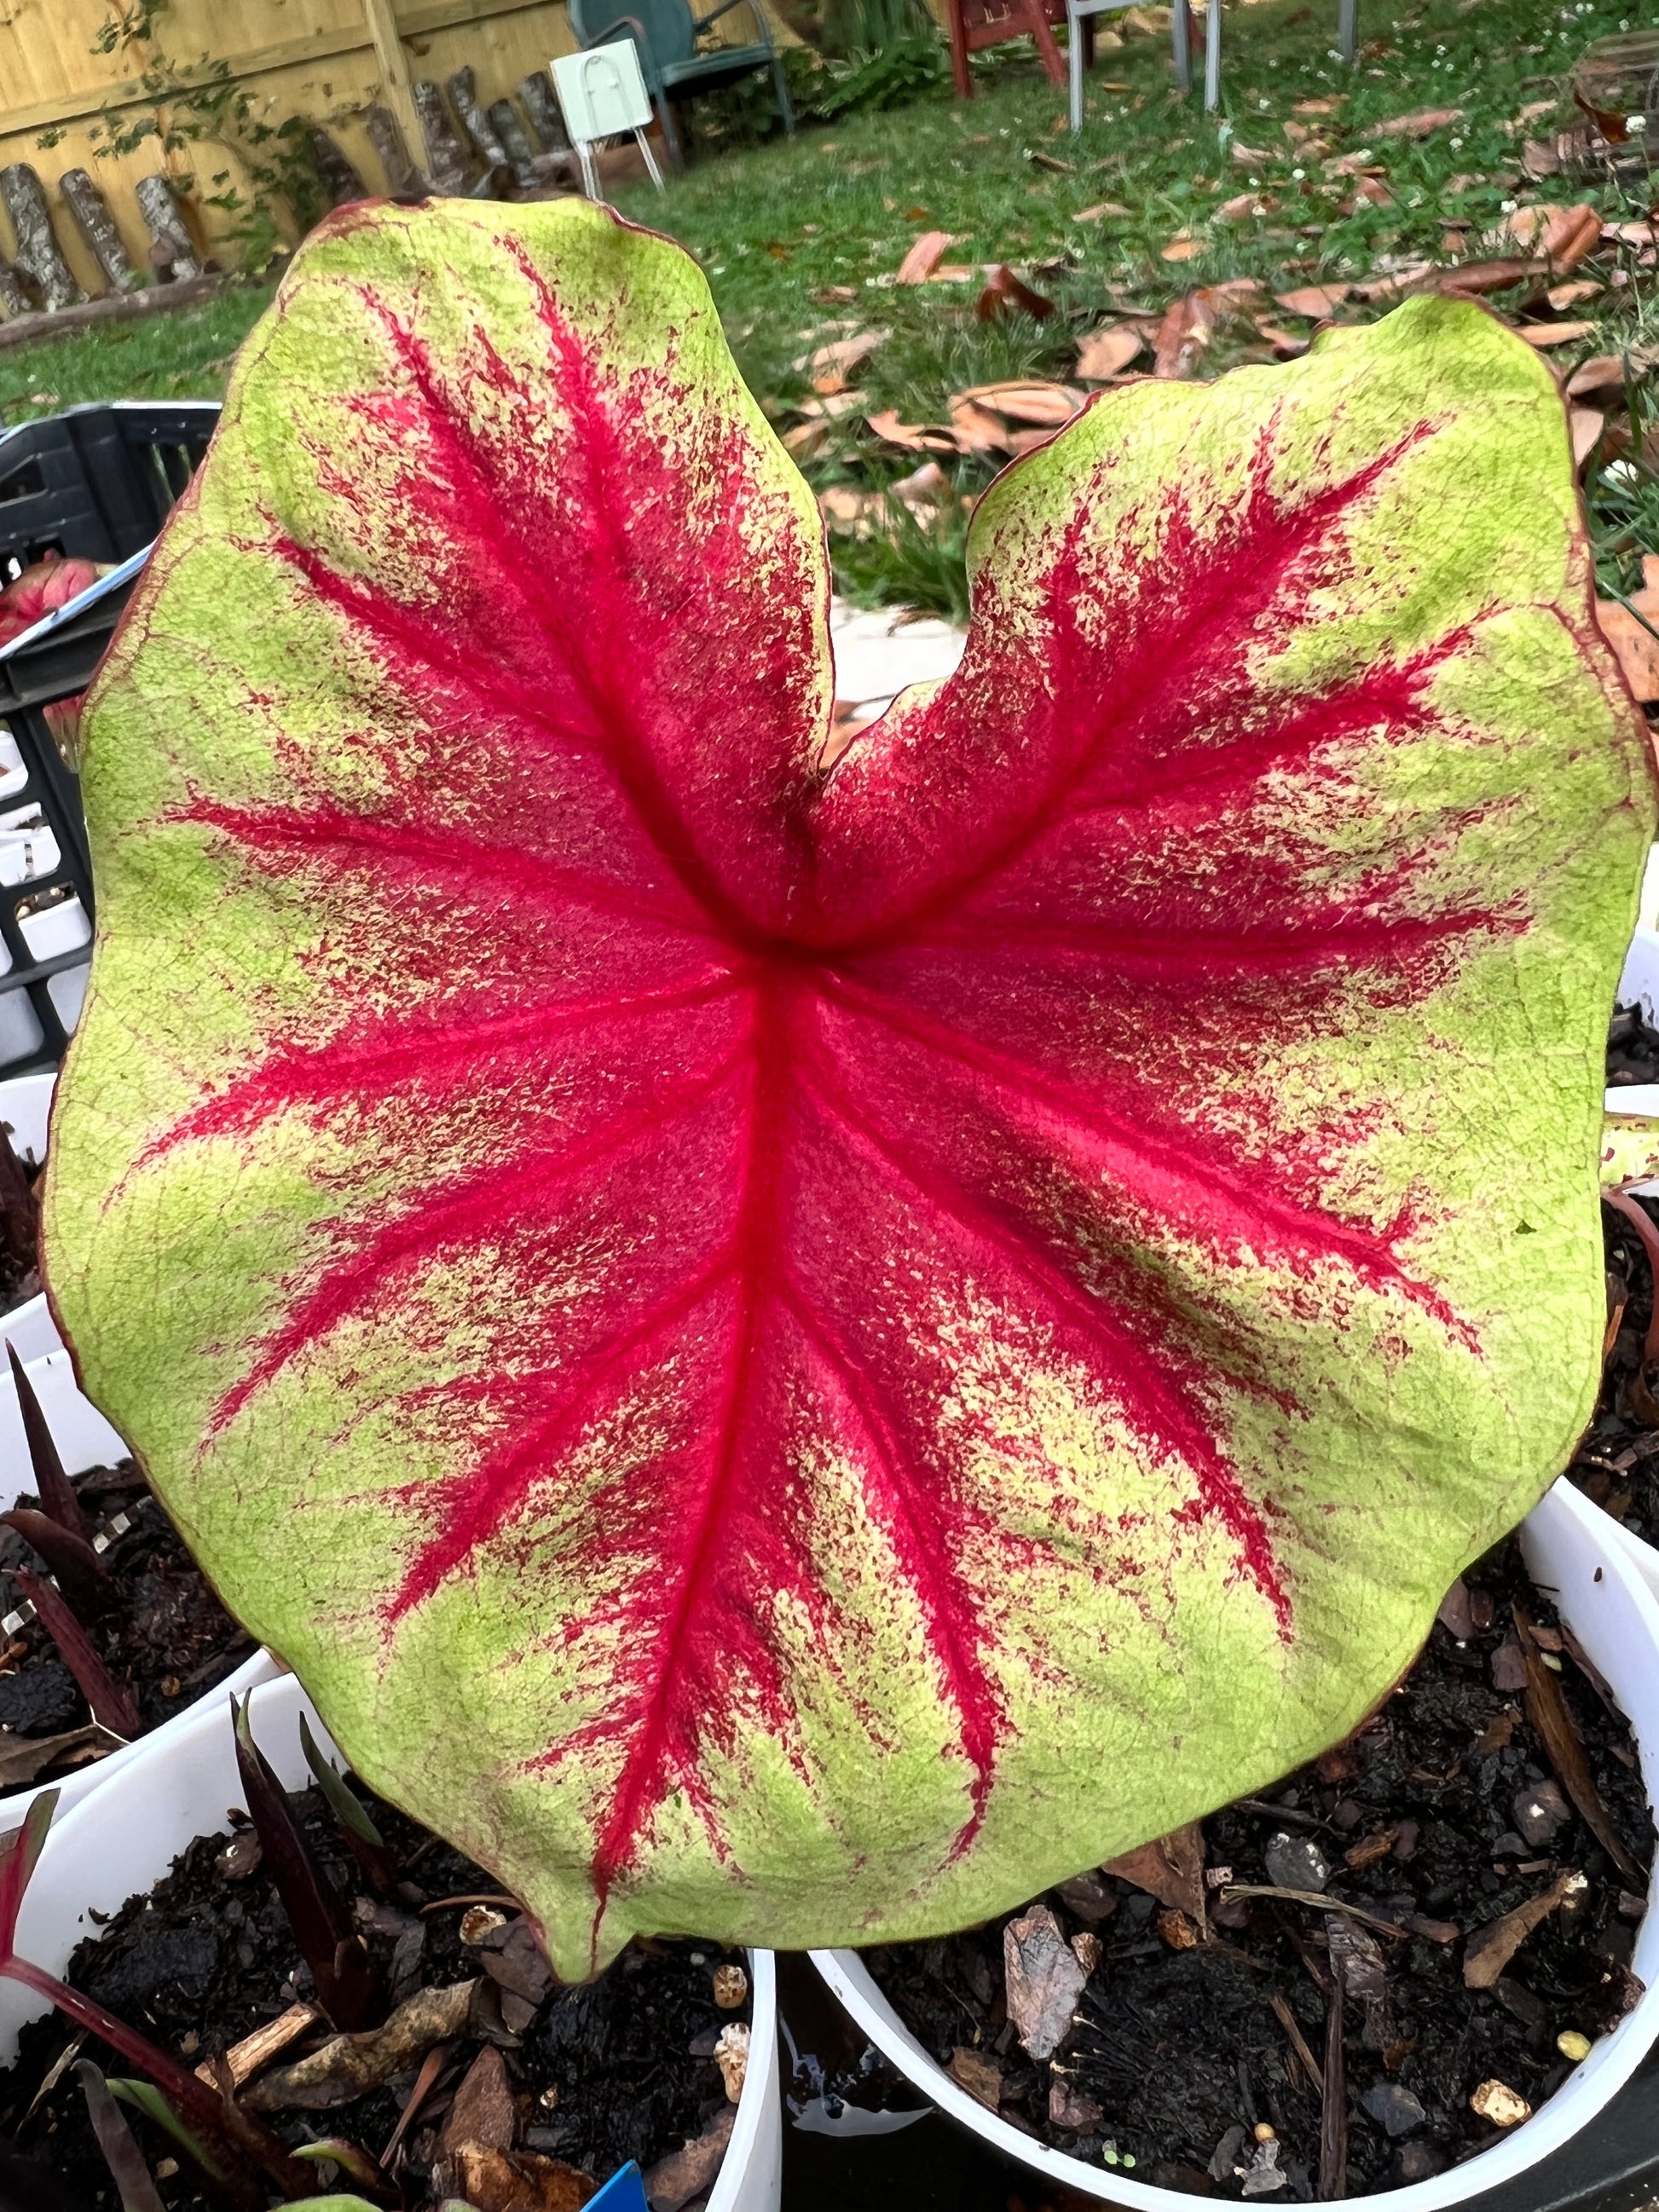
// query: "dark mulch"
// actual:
[[19, 1271], [166, 1636], [1632, 1050], [1181, 2050], [603, 2073]]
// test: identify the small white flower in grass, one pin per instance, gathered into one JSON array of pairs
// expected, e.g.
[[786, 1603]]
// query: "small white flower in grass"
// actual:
[[1298, 175]]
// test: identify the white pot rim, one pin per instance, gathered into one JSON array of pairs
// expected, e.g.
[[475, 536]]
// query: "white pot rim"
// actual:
[[1563, 1532]]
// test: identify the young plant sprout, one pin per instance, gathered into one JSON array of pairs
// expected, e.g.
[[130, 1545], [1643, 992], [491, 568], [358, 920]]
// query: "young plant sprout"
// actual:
[[805, 1352], [348, 1987], [223, 2140], [135, 2185]]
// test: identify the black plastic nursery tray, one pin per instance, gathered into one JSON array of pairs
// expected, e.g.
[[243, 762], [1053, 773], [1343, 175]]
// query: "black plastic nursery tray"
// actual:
[[934, 2166]]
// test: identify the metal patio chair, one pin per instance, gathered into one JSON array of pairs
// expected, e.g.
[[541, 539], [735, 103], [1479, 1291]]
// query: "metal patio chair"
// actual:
[[675, 69]]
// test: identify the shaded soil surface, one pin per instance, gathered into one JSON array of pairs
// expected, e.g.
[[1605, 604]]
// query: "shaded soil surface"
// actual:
[[165, 1636], [1632, 1050], [601, 2073], [1183, 2045], [20, 1272], [1617, 1463]]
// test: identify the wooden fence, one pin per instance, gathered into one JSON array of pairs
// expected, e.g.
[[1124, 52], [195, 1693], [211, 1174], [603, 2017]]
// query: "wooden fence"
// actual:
[[68, 74]]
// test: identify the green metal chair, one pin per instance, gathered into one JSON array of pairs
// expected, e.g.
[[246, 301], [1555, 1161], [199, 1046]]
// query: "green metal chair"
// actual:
[[675, 70]]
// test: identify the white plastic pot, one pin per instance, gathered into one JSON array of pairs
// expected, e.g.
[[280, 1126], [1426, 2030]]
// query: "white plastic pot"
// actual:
[[84, 1438], [1583, 1561], [176, 1785]]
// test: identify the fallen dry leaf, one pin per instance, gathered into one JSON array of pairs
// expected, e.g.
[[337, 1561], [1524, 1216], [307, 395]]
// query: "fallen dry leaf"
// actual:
[[1637, 649], [1287, 344], [1100, 208], [1240, 208], [1544, 334], [927, 486], [1547, 1709], [490, 2180], [1250, 157], [844, 507], [805, 440], [1370, 191], [977, 429], [1108, 351], [1475, 277], [911, 437], [1602, 372], [1044, 1978], [1027, 441], [1357, 164], [685, 2173], [924, 257], [1171, 1869], [1490, 1949], [1027, 399], [1326, 104], [1421, 124], [1180, 248], [1540, 158], [1573, 295], [981, 2077], [1005, 293], [1314, 301], [1053, 162], [831, 367], [1183, 335], [22, 1758], [831, 407], [1564, 235]]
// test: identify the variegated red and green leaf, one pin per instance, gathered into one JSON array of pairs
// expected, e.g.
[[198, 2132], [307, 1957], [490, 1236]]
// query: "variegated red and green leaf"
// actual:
[[799, 1355]]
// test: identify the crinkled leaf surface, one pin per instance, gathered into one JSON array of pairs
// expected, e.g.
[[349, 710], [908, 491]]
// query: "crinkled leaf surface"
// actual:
[[798, 1356]]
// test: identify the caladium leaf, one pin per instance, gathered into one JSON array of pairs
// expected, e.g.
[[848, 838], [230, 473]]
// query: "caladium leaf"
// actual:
[[796, 1355]]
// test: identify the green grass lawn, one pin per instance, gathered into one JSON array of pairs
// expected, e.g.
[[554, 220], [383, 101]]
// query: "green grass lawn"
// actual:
[[183, 356], [798, 235]]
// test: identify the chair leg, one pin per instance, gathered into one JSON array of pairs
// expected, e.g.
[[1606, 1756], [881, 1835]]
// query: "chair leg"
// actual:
[[652, 171], [959, 70], [671, 133], [1348, 28], [1075, 70], [590, 173], [1213, 57], [780, 83], [1181, 32]]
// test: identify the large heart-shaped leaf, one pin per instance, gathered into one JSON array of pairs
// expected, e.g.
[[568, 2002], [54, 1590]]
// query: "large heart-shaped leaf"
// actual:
[[799, 1355]]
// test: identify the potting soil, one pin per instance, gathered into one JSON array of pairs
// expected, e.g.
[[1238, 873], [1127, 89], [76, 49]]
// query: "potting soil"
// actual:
[[1440, 1815], [165, 1635], [604, 2072]]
